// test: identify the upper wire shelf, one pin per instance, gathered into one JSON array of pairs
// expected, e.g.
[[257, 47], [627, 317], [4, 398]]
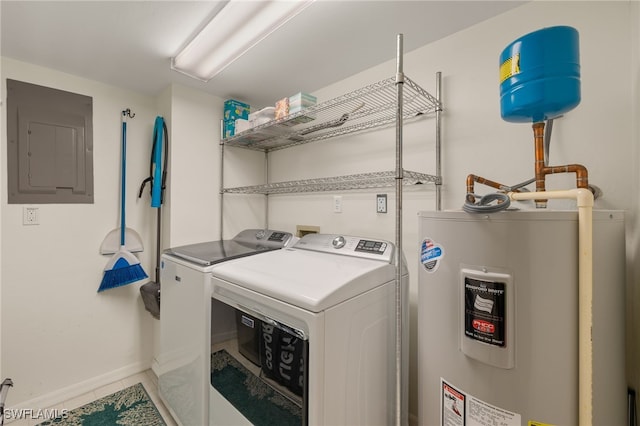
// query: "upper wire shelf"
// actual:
[[363, 109]]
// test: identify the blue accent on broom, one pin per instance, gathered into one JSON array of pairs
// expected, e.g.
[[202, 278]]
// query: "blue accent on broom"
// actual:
[[156, 190], [121, 274], [123, 268]]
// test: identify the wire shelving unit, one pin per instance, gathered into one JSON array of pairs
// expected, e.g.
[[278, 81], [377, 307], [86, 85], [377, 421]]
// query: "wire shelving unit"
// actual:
[[394, 101]]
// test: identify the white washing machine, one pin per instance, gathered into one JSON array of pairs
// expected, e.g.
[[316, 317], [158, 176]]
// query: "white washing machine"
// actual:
[[186, 316], [307, 335]]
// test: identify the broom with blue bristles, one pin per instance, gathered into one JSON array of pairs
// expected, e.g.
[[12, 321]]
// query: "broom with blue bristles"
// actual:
[[123, 268]]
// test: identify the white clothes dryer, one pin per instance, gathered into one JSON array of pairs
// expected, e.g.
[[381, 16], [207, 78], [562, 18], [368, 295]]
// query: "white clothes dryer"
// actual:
[[185, 318], [318, 322]]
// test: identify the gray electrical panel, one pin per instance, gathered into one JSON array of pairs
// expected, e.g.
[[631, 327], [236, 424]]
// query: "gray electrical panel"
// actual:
[[49, 145]]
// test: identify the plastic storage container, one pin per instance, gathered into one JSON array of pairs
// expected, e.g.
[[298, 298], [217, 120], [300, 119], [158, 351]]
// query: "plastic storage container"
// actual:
[[248, 335], [540, 75]]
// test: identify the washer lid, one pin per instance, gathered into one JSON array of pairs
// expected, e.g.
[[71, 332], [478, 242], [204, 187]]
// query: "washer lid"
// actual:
[[309, 279], [247, 242], [212, 252]]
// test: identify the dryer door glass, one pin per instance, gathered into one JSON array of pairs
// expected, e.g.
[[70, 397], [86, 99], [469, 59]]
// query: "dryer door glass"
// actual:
[[258, 369]]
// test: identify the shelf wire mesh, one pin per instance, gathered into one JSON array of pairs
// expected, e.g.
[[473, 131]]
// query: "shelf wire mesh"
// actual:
[[367, 108]]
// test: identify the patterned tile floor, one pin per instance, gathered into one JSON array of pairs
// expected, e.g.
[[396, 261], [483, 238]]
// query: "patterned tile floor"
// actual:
[[147, 378]]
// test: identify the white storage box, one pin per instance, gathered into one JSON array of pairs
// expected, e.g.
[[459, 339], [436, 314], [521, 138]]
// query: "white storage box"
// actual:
[[262, 116], [299, 101], [242, 125]]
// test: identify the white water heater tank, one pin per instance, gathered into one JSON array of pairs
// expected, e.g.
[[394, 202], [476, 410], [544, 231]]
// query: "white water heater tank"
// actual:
[[498, 318]]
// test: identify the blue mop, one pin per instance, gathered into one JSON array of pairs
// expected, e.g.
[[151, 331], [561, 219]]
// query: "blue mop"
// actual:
[[123, 268], [157, 178], [159, 172]]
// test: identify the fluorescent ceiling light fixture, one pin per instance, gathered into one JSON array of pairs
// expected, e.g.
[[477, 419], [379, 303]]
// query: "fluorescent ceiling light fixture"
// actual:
[[235, 29]]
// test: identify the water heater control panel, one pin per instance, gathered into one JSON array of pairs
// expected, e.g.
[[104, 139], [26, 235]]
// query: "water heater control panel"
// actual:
[[487, 325]]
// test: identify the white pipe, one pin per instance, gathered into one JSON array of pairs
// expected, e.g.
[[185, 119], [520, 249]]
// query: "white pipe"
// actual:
[[584, 198]]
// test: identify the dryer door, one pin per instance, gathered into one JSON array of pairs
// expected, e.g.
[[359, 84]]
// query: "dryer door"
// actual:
[[258, 368]]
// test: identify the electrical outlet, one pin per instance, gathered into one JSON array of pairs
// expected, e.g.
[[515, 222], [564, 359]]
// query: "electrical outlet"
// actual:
[[30, 216], [381, 203], [337, 204]]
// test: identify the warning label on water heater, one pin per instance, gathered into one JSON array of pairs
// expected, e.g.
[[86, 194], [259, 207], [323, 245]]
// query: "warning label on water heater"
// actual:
[[458, 408], [485, 311]]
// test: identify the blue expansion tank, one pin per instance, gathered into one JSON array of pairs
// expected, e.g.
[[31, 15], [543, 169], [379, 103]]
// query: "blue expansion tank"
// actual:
[[540, 75]]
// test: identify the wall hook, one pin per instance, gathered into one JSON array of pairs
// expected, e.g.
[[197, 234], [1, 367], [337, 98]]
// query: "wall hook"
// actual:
[[128, 112]]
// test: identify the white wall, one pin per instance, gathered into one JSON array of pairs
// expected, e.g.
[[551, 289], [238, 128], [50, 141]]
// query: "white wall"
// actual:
[[633, 223], [59, 336], [599, 133], [193, 169], [58, 333], [194, 172], [3, 125]]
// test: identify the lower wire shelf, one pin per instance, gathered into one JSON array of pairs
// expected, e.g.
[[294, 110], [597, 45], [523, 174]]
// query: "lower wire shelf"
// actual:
[[339, 183]]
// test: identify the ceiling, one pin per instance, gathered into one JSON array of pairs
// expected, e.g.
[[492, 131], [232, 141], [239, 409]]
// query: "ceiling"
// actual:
[[129, 44]]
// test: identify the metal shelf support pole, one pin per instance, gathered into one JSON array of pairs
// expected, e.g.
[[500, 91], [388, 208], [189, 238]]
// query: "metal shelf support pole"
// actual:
[[438, 142], [401, 414], [266, 196], [221, 177]]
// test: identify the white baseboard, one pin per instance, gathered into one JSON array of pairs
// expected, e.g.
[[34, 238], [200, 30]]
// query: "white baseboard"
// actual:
[[51, 399], [155, 367]]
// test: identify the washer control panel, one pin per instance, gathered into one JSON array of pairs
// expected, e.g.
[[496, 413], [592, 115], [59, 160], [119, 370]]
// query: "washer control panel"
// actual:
[[348, 246], [370, 246], [268, 237]]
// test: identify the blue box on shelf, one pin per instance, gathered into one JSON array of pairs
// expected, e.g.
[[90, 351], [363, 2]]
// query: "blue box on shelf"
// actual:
[[234, 110], [228, 128]]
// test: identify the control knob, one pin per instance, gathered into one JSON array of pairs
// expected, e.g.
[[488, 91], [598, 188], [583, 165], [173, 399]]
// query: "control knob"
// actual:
[[338, 242]]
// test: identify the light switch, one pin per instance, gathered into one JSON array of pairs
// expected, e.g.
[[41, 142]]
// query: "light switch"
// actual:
[[337, 204]]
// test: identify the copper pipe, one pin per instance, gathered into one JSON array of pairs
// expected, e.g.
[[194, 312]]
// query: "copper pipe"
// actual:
[[471, 179], [542, 170]]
